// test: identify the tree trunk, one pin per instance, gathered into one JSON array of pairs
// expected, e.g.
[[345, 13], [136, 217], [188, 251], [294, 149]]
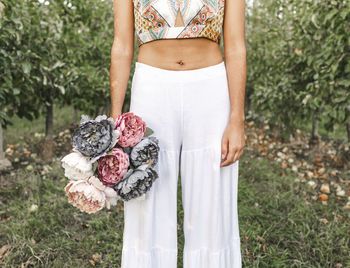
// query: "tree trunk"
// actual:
[[75, 116], [108, 107], [4, 163], [46, 147], [49, 121], [315, 137], [97, 111], [315, 129], [2, 154], [348, 123]]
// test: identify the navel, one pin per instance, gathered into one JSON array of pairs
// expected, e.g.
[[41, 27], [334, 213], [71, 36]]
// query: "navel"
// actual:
[[180, 62]]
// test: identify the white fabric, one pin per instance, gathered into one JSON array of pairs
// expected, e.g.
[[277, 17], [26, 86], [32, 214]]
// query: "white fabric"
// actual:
[[188, 111]]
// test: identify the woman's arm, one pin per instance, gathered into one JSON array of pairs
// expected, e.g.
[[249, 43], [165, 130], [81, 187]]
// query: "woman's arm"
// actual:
[[122, 53], [233, 140]]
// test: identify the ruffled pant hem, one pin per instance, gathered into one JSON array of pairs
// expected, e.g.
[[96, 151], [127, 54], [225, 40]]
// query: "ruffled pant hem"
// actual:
[[229, 257], [155, 258]]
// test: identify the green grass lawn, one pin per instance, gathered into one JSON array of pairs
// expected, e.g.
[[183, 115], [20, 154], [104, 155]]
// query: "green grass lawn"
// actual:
[[279, 222]]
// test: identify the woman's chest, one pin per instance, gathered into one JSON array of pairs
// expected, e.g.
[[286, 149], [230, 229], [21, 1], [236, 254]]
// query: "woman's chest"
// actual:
[[167, 10]]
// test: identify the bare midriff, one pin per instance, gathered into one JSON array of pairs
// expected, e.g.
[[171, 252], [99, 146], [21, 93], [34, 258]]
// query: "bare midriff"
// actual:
[[180, 54]]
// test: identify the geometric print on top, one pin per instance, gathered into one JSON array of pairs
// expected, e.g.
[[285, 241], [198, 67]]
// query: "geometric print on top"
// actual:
[[155, 19]]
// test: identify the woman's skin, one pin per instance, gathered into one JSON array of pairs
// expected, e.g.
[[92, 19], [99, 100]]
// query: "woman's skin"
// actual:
[[186, 54]]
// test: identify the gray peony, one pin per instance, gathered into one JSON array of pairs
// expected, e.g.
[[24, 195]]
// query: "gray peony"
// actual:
[[145, 152], [95, 137], [135, 182]]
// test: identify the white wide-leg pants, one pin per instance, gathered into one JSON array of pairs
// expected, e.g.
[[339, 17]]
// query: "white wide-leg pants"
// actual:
[[188, 111]]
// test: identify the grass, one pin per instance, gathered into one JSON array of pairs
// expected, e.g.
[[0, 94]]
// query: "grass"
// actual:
[[22, 127], [275, 208], [279, 221]]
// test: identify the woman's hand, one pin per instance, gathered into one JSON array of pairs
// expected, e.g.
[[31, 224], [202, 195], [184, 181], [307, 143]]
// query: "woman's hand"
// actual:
[[233, 142]]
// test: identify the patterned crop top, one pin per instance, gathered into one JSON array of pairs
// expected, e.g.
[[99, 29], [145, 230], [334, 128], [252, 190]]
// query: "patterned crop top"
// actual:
[[156, 19]]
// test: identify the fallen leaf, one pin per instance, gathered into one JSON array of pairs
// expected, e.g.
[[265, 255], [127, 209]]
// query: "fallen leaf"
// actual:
[[96, 257], [340, 192], [318, 160], [312, 184], [321, 170], [260, 239], [4, 249], [284, 164], [323, 197], [324, 220], [325, 188], [309, 174], [246, 238]]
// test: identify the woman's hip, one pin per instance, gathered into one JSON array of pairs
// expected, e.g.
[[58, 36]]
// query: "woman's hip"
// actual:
[[153, 85]]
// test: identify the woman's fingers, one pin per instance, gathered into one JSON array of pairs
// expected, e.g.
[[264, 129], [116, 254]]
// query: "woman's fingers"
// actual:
[[224, 148], [231, 151], [238, 155], [233, 155], [229, 158]]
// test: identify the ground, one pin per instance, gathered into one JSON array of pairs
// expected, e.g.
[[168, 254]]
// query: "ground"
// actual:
[[293, 204]]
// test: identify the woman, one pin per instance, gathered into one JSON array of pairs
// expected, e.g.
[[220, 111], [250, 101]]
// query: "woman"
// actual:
[[194, 102]]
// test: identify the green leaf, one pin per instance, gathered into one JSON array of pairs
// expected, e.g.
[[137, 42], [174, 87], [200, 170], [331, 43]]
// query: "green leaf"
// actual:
[[149, 131], [61, 88], [331, 14], [26, 67], [58, 64], [344, 82], [16, 91]]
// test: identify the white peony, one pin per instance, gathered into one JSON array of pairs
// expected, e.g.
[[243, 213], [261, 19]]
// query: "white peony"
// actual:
[[111, 197], [76, 166], [85, 196], [110, 194], [97, 183]]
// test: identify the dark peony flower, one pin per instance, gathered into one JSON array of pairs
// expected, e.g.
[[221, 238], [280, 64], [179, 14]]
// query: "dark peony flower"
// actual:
[[135, 182], [95, 137], [145, 152]]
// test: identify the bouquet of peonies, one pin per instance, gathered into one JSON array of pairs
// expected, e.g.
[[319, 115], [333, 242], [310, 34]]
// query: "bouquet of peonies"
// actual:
[[111, 160]]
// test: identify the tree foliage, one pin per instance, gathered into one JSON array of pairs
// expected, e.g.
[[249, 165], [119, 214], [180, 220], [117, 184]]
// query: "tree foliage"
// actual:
[[53, 52], [298, 60]]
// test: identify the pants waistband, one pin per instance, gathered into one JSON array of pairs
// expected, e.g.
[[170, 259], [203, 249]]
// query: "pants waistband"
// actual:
[[154, 73]]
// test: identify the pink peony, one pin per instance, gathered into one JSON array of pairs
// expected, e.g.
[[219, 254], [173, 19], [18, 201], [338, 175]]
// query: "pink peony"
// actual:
[[132, 129], [84, 195], [112, 167]]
